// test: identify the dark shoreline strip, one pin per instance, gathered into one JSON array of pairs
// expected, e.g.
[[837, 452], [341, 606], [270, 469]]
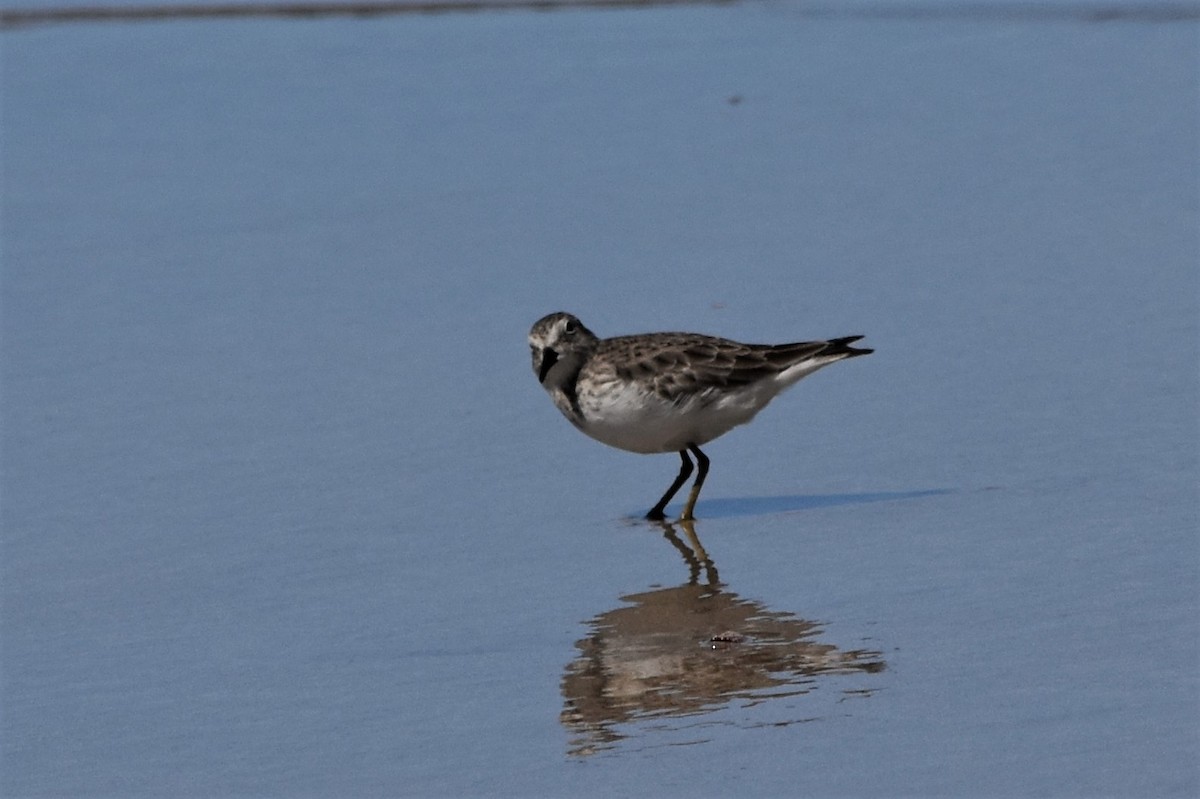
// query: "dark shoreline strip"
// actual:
[[1081, 12], [315, 8]]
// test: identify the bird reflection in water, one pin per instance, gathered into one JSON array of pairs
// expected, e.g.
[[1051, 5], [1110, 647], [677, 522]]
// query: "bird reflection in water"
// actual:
[[691, 651]]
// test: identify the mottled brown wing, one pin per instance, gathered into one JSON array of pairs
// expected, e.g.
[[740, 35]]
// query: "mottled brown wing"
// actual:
[[679, 365]]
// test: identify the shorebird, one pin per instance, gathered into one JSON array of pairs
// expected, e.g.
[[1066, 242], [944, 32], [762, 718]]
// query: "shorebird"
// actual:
[[667, 392]]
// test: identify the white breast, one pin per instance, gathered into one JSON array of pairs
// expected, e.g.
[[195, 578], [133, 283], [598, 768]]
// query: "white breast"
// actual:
[[625, 416]]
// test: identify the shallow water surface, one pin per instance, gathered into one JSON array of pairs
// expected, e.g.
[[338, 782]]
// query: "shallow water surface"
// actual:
[[672, 659], [285, 512]]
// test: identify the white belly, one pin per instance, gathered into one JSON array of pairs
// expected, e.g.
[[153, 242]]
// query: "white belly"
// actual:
[[624, 417]]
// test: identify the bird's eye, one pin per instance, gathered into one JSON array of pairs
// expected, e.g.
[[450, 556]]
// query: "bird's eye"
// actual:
[[569, 328]]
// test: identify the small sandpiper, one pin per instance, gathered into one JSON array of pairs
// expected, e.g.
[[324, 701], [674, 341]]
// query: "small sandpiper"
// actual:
[[667, 392]]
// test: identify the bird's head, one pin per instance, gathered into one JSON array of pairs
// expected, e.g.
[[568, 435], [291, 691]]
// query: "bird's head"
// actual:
[[559, 343]]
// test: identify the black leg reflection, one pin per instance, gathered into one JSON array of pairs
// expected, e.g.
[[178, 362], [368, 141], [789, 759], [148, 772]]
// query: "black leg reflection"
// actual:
[[694, 554]]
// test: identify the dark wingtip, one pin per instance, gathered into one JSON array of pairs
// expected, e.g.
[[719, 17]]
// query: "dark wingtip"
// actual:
[[841, 346]]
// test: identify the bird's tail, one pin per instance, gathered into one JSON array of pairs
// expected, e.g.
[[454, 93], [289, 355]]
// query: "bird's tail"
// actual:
[[841, 346]]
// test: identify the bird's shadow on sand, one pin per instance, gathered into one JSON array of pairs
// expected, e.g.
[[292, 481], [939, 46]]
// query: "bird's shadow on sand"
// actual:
[[737, 507]]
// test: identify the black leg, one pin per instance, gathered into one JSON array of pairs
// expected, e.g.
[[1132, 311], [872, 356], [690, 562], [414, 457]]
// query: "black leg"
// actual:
[[657, 513], [701, 459]]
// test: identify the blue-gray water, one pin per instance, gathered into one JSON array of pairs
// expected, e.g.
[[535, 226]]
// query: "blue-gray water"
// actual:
[[286, 513]]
